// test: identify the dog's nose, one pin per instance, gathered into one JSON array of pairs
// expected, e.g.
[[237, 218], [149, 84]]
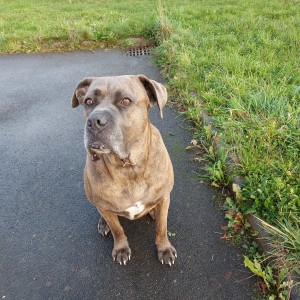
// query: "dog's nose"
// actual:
[[96, 122]]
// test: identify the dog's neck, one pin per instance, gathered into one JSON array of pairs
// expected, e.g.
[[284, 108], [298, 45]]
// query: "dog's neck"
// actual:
[[139, 152]]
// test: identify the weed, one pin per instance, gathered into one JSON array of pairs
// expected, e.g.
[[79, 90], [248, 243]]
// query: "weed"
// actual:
[[281, 267], [217, 173], [235, 216], [285, 242], [261, 192]]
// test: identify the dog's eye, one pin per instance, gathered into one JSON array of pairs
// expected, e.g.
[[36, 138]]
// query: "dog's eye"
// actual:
[[89, 102], [126, 101]]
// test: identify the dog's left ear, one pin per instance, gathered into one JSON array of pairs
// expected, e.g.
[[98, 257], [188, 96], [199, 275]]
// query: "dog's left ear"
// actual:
[[156, 92]]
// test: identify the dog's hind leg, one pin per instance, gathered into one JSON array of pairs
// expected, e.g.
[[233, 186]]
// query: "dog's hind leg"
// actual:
[[103, 227], [152, 213]]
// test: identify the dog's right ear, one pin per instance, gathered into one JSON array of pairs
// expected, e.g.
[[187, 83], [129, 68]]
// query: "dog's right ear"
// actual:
[[80, 91]]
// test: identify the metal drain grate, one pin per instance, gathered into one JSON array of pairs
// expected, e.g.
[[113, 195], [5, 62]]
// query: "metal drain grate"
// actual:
[[139, 51]]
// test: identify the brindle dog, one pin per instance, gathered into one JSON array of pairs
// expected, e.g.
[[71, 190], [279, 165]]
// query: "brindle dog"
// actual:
[[128, 170]]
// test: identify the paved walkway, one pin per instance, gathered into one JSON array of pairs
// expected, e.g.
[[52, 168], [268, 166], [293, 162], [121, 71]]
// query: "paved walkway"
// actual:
[[50, 247]]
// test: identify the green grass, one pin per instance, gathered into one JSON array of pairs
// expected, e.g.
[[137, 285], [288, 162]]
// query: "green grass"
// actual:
[[241, 57], [35, 25], [282, 272]]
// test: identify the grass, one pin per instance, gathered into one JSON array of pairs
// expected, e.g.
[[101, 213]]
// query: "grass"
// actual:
[[37, 26], [281, 273], [240, 57], [285, 236]]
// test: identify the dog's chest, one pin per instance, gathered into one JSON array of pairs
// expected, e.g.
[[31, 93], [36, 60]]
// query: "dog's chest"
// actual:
[[134, 199], [131, 200], [135, 210]]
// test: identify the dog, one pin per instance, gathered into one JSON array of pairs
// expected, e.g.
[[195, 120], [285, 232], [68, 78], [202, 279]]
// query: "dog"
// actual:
[[128, 170]]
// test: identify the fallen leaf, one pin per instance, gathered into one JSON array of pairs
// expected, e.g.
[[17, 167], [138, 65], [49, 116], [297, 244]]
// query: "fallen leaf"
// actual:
[[228, 275], [189, 147], [197, 159], [227, 237], [230, 212], [194, 142], [238, 218], [200, 152], [223, 227], [237, 226], [263, 286]]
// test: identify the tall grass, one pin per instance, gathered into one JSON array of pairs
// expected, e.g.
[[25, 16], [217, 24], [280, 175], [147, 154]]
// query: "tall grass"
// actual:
[[284, 244]]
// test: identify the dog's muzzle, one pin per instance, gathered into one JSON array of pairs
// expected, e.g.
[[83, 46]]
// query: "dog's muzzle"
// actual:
[[97, 122], [103, 135], [95, 126]]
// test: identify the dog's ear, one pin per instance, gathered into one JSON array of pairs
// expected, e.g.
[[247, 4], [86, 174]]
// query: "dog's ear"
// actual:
[[80, 91], [156, 92]]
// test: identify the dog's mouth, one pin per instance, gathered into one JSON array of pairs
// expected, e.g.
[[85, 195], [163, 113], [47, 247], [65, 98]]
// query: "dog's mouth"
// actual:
[[97, 148]]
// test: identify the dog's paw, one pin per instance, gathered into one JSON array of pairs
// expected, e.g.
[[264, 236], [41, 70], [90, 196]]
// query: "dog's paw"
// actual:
[[167, 255], [122, 255], [103, 228]]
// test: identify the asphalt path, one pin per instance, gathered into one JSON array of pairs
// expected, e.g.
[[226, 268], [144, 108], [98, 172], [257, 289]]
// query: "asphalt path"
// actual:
[[49, 244]]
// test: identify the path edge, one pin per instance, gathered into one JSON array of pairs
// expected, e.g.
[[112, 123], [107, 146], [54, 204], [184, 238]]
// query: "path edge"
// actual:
[[235, 185]]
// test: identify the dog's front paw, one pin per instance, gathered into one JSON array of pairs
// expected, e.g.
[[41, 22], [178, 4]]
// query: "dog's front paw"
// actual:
[[103, 227], [167, 255], [122, 255]]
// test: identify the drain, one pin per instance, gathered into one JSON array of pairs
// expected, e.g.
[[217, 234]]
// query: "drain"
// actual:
[[139, 51]]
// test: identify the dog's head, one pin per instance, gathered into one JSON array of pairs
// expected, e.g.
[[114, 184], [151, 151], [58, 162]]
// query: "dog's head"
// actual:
[[116, 111]]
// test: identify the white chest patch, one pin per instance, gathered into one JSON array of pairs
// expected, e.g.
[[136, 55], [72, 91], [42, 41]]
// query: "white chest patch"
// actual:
[[136, 209]]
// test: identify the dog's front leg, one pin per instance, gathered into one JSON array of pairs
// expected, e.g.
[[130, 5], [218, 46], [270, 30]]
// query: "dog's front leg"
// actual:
[[166, 252], [121, 252]]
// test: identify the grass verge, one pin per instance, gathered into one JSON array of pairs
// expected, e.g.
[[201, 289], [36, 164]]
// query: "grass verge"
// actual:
[[39, 26], [241, 59]]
